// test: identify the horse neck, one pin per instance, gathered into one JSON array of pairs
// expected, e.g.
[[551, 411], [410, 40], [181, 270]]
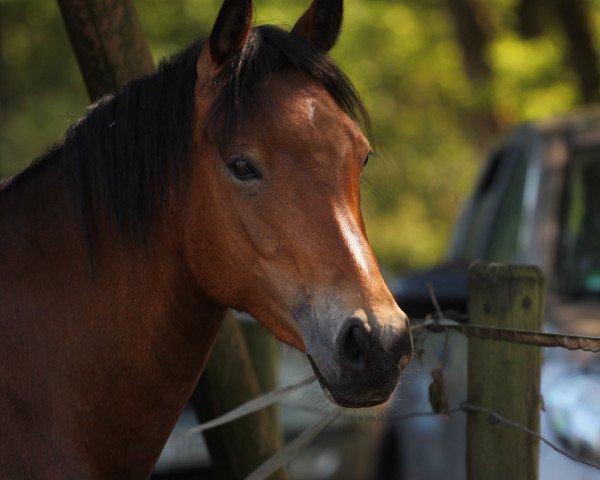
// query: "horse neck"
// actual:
[[122, 347]]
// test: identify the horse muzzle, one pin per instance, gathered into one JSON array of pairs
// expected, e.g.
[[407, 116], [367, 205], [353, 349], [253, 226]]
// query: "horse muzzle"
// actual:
[[362, 365]]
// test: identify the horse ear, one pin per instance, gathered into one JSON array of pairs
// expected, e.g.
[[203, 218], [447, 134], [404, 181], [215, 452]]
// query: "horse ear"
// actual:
[[230, 31], [321, 23]]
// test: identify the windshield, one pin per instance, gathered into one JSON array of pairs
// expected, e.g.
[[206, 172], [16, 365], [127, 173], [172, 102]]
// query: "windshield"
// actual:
[[579, 255]]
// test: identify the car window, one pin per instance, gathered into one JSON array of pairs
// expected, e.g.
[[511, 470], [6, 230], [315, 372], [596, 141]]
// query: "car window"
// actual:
[[489, 229], [503, 245], [579, 246]]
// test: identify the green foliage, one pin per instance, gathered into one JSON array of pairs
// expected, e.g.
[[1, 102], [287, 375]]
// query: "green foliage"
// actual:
[[403, 59], [41, 91]]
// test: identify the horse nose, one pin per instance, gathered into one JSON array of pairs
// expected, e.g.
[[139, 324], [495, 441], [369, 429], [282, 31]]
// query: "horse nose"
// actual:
[[362, 366], [358, 347], [353, 346]]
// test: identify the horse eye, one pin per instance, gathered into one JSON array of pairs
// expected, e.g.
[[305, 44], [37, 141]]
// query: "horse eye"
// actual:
[[366, 159], [242, 169]]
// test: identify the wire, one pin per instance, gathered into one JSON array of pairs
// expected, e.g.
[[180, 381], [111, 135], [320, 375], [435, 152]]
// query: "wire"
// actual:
[[469, 408]]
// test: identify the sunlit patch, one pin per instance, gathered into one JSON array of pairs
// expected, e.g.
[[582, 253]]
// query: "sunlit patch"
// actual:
[[310, 109], [353, 239]]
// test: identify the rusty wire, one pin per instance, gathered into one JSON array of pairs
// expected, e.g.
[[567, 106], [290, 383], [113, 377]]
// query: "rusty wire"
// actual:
[[436, 324], [526, 337]]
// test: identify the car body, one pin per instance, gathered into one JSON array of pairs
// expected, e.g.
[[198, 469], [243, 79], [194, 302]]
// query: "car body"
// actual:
[[537, 201]]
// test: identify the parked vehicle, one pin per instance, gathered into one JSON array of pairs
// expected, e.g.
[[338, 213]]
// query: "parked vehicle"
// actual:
[[537, 201]]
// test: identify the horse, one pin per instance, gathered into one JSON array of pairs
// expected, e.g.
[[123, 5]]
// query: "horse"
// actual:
[[229, 178]]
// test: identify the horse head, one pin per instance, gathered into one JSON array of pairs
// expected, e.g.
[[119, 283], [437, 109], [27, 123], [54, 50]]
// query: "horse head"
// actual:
[[273, 225]]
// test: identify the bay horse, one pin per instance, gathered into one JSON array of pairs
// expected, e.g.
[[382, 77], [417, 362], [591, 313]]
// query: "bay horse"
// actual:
[[230, 178]]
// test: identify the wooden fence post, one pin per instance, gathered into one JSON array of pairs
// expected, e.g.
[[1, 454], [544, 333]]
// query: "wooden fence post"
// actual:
[[111, 50], [223, 386], [504, 377], [264, 352]]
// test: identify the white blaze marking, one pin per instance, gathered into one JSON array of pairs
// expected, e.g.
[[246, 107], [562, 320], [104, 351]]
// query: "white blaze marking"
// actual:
[[353, 239]]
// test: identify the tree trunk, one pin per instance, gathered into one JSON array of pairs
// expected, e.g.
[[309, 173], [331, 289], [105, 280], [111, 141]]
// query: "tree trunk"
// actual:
[[474, 34], [575, 20], [108, 41], [530, 15], [222, 387]]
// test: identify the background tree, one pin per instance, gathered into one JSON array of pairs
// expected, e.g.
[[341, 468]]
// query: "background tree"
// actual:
[[575, 19], [530, 18], [405, 59], [474, 34]]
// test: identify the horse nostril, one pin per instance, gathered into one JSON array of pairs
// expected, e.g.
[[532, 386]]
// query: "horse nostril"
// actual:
[[354, 349]]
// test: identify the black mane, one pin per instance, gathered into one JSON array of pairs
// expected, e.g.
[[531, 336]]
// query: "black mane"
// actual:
[[122, 156]]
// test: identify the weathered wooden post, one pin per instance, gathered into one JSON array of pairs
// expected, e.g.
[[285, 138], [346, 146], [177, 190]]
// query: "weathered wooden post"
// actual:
[[264, 352], [111, 50], [219, 390], [504, 377]]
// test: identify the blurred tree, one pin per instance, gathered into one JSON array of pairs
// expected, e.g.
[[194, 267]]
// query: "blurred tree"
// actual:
[[531, 18], [575, 18], [3, 74], [108, 42], [404, 58], [42, 92], [474, 35]]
